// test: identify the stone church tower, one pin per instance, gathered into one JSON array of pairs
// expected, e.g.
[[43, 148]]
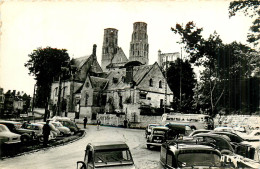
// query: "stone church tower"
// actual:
[[139, 47], [110, 46]]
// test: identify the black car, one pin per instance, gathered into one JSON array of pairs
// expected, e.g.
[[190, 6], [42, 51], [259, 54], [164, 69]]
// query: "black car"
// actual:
[[219, 142], [240, 146], [15, 127], [174, 155]]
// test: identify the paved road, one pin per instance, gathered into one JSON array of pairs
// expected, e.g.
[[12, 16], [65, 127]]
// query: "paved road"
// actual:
[[66, 156]]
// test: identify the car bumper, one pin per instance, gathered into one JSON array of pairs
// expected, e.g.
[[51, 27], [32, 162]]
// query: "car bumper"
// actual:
[[154, 144], [12, 142]]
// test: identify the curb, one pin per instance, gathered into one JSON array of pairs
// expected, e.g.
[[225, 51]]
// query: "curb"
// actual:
[[46, 148]]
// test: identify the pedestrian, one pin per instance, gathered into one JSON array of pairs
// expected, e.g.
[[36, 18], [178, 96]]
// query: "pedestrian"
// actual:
[[85, 120], [98, 123], [125, 123], [46, 130]]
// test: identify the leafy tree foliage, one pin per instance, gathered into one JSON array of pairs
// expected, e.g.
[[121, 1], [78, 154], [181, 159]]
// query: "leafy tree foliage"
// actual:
[[224, 64], [181, 73], [250, 8], [45, 64]]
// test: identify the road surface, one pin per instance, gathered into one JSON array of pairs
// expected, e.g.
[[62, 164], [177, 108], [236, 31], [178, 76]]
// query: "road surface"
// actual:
[[66, 156]]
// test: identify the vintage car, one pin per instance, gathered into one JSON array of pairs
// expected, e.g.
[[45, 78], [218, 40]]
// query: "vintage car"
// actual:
[[157, 136], [37, 128], [107, 155], [149, 129], [221, 143], [253, 136], [176, 130], [68, 123], [64, 131], [228, 129], [54, 131], [189, 156], [244, 162], [8, 137], [15, 127]]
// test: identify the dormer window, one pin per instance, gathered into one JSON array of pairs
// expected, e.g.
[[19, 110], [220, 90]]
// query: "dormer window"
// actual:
[[151, 82]]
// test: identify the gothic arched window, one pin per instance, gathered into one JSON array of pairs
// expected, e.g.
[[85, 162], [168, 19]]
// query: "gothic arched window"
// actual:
[[160, 84], [151, 82]]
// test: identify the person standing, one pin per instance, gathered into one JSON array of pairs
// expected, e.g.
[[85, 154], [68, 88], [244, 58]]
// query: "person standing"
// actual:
[[46, 132], [98, 123], [85, 120]]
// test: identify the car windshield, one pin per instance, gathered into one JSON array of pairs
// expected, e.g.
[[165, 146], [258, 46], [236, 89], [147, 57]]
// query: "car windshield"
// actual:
[[57, 124], [199, 159], [104, 157], [17, 125], [159, 132], [3, 128], [32, 127]]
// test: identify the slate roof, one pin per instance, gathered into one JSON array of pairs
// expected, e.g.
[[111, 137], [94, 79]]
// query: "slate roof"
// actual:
[[79, 62], [138, 75], [98, 82]]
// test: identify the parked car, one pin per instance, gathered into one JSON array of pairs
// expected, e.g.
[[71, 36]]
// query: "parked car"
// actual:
[[190, 156], [38, 128], [244, 162], [68, 123], [221, 143], [253, 136], [64, 131], [157, 136], [8, 137], [148, 129], [15, 127], [228, 129], [176, 130], [107, 155], [54, 131]]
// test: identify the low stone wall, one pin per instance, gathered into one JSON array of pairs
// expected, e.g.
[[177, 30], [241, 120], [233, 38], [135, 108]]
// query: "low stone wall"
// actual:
[[113, 120]]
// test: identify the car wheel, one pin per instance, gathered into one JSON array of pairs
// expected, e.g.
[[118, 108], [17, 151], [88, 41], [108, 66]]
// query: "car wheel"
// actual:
[[62, 134], [24, 139], [193, 128], [40, 139], [148, 146]]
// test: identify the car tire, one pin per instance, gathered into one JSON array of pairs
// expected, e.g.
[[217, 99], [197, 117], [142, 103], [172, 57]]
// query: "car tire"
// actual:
[[193, 128], [62, 134], [148, 146], [40, 139], [24, 139]]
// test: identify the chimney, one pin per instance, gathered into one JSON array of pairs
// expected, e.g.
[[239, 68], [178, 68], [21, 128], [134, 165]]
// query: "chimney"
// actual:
[[14, 91], [94, 51]]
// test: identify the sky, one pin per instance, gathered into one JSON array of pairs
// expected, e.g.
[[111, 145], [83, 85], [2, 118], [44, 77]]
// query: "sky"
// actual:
[[77, 25]]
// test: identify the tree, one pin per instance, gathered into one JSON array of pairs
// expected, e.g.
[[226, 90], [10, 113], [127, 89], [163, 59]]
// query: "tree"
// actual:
[[223, 64], [181, 73], [250, 8], [45, 64]]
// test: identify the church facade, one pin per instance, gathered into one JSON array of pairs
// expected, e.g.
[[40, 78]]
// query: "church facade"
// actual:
[[120, 85]]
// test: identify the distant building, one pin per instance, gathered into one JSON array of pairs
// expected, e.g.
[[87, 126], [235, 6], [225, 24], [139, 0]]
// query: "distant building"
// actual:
[[2, 99], [139, 47], [169, 57], [119, 85]]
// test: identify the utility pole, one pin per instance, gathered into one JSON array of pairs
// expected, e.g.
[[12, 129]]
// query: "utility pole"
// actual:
[[180, 76], [33, 100], [165, 97]]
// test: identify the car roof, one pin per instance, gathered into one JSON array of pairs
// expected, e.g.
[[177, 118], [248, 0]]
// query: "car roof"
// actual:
[[182, 148], [160, 127], [10, 122], [108, 145]]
